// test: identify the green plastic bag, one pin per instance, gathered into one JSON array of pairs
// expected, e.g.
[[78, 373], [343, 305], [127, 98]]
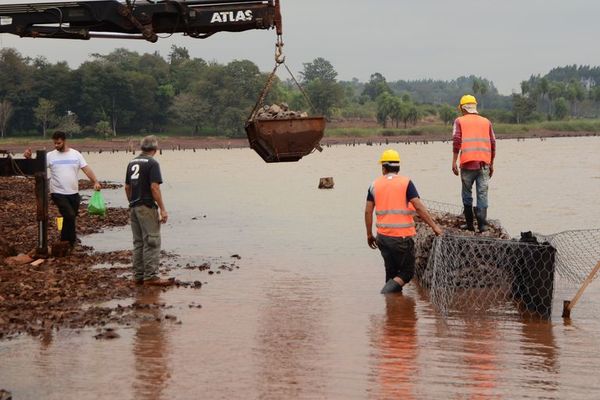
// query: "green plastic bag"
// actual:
[[96, 205]]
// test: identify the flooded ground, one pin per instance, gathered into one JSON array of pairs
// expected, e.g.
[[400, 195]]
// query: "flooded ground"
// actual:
[[302, 317]]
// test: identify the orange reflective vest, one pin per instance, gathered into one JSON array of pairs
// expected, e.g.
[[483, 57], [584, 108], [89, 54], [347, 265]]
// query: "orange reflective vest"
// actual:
[[394, 213], [476, 144]]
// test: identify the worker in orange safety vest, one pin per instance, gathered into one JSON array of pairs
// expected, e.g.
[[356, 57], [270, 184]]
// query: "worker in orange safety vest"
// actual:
[[474, 140], [395, 200]]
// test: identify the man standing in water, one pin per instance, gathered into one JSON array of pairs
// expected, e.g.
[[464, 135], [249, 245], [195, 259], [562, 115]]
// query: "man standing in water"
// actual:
[[64, 164], [147, 212], [473, 138], [395, 200]]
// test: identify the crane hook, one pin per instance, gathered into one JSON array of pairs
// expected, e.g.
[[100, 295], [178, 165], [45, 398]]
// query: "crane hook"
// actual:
[[279, 57]]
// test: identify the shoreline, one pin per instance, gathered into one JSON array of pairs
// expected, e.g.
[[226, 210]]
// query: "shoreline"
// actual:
[[130, 144]]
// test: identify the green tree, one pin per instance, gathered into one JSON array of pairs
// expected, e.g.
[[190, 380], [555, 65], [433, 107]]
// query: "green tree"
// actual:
[[190, 110], [544, 91], [376, 86], [178, 55], [45, 114], [561, 108], [106, 90], [103, 128], [55, 82], [556, 90], [398, 110], [409, 113], [186, 72], [385, 107], [575, 93], [16, 87], [325, 95], [69, 124], [6, 112], [447, 114], [319, 69], [324, 91], [523, 107], [480, 88]]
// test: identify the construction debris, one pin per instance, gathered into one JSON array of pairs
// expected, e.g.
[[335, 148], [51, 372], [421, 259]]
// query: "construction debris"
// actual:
[[42, 296], [451, 224], [279, 111], [5, 395], [326, 183]]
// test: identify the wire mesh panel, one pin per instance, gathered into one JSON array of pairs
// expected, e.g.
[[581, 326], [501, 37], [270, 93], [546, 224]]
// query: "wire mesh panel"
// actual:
[[478, 274], [469, 273], [578, 252]]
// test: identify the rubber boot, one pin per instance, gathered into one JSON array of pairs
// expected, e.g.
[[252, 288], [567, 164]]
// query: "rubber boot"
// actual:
[[468, 212], [481, 214], [391, 287]]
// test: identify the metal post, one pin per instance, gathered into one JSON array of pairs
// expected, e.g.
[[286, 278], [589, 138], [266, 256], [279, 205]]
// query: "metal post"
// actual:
[[568, 305], [41, 196]]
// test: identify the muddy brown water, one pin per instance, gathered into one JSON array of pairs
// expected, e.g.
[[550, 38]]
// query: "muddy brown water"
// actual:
[[302, 317]]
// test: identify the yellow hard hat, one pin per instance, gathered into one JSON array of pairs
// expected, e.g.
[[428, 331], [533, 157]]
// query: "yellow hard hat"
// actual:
[[389, 156], [467, 99]]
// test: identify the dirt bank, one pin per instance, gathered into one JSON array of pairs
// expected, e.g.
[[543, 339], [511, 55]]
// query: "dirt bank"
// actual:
[[40, 296], [17, 146]]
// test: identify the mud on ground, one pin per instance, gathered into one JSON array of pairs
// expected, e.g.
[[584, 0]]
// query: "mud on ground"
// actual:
[[63, 292]]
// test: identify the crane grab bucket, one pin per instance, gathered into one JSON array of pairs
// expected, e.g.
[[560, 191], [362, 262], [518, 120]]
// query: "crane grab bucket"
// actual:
[[285, 140]]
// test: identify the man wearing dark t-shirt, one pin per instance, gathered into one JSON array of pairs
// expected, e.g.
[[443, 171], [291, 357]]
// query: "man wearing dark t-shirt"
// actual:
[[147, 212]]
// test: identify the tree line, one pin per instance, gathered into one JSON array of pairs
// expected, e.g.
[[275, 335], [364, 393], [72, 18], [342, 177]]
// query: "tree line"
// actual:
[[125, 92]]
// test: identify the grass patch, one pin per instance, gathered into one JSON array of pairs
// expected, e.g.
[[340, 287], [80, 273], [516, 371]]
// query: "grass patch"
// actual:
[[389, 132]]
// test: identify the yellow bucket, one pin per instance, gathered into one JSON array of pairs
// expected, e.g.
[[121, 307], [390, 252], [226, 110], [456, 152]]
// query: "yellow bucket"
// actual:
[[59, 222]]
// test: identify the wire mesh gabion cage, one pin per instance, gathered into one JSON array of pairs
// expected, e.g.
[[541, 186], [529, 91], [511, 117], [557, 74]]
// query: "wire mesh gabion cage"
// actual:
[[473, 274]]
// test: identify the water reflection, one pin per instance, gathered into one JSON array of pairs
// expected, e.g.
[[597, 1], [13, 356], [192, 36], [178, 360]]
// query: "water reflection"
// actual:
[[395, 339], [481, 358], [539, 347], [150, 348], [290, 341]]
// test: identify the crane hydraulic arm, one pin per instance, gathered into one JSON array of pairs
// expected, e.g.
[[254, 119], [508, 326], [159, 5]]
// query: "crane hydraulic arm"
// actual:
[[137, 19]]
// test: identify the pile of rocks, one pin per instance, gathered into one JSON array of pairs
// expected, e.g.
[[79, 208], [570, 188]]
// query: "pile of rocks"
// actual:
[[484, 272], [279, 111]]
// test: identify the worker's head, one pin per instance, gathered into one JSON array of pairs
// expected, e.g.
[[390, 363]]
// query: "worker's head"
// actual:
[[59, 138], [149, 144], [468, 104], [390, 161]]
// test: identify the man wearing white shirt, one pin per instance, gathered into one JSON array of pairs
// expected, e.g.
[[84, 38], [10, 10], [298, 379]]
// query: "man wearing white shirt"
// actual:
[[64, 164]]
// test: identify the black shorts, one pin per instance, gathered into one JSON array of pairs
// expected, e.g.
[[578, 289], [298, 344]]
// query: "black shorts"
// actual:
[[398, 255]]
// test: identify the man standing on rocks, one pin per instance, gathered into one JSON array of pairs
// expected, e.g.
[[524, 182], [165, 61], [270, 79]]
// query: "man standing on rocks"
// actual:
[[395, 200], [474, 139], [64, 164], [147, 212]]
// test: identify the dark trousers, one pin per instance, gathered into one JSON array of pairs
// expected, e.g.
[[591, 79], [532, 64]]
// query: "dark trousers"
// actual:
[[68, 206], [398, 255]]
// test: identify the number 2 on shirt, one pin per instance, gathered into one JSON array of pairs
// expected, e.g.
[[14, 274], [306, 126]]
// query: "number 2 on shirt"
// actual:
[[135, 169]]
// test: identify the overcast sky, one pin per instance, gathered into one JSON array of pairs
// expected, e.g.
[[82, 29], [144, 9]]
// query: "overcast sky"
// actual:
[[502, 40]]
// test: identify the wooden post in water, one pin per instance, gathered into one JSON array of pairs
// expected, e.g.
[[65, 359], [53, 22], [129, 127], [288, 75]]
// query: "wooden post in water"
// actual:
[[568, 305]]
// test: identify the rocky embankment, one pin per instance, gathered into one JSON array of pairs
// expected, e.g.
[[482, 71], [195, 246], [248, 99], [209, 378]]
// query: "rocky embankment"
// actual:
[[41, 295]]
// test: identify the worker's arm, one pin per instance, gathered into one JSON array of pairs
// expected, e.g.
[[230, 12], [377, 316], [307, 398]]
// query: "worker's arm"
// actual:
[[157, 196], [493, 144], [92, 177], [424, 214], [128, 191], [371, 240], [456, 145], [454, 166]]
